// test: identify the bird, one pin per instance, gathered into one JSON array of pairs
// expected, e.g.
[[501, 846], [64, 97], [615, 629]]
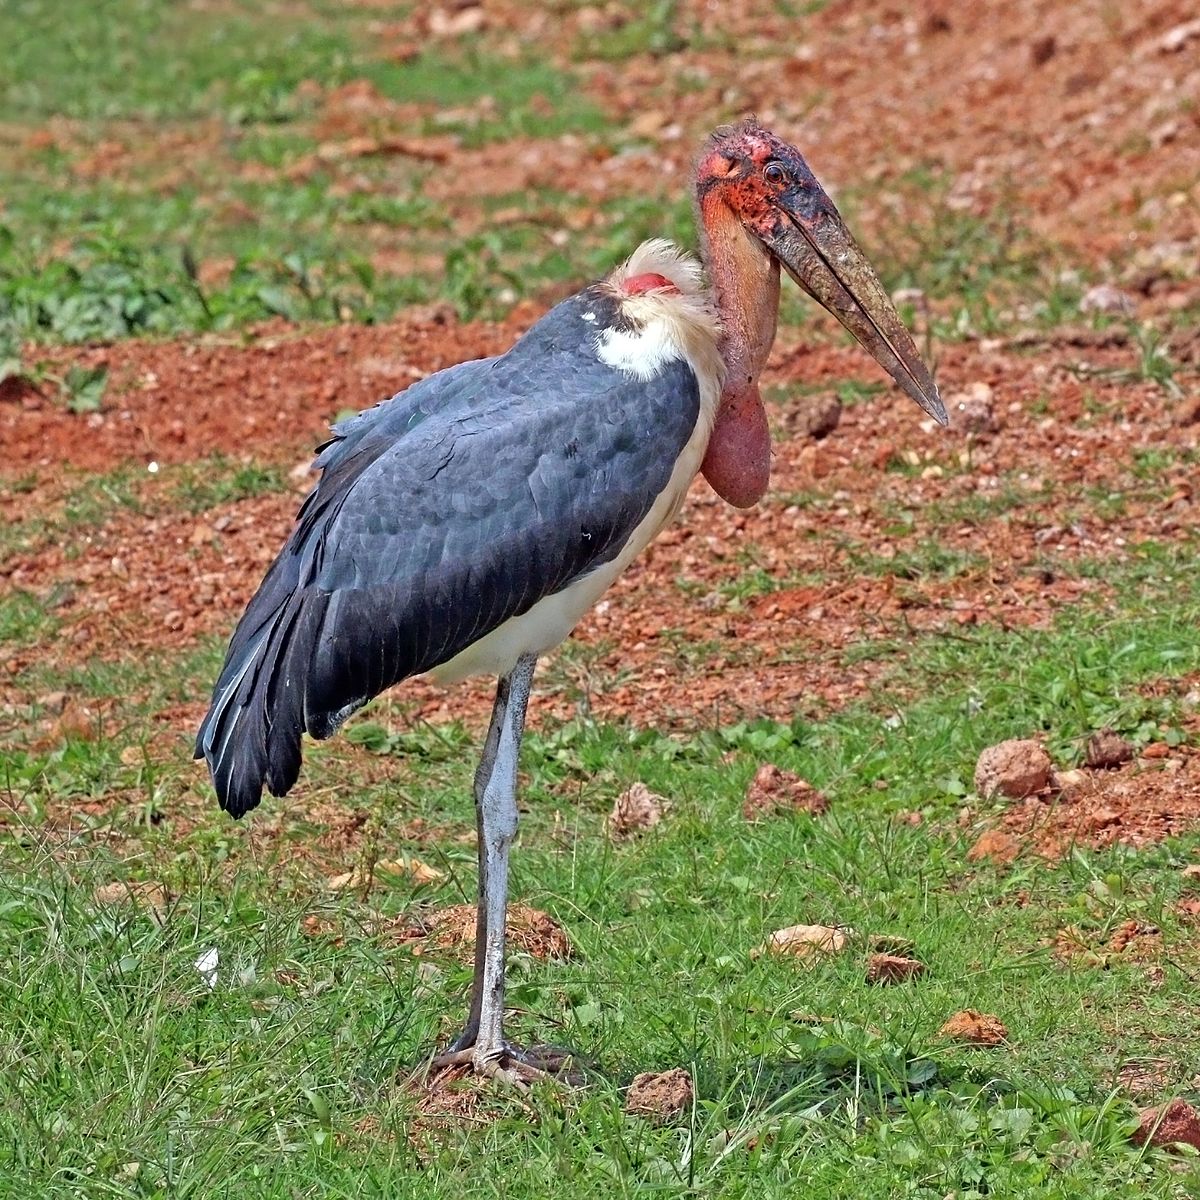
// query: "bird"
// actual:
[[466, 525]]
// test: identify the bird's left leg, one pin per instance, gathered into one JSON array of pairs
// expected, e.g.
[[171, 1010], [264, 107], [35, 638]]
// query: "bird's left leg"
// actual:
[[483, 773], [483, 1044]]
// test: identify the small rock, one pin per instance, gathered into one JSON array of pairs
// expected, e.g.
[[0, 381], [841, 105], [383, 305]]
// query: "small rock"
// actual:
[[1188, 413], [450, 24], [1104, 298], [805, 941], [647, 124], [1178, 1122], [1107, 749], [1156, 750], [1071, 781], [52, 703], [995, 844], [973, 410], [634, 810], [774, 790], [1178, 36], [363, 877], [892, 968], [1016, 768], [1042, 50], [975, 1028], [815, 416], [660, 1096]]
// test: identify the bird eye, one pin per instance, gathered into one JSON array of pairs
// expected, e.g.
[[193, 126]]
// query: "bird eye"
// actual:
[[775, 172]]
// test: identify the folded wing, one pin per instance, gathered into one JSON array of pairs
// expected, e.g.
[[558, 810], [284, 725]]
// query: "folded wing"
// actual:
[[438, 516]]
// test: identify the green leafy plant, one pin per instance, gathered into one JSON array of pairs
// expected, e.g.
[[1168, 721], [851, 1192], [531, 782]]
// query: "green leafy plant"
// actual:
[[81, 389]]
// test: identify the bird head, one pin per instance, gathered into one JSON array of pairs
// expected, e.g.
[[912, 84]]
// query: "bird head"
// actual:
[[749, 180]]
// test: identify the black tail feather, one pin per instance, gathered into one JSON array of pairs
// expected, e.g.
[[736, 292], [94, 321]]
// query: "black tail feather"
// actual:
[[234, 737], [271, 691]]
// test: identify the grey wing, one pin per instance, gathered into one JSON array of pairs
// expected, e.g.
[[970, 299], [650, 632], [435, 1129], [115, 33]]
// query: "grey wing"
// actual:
[[413, 547]]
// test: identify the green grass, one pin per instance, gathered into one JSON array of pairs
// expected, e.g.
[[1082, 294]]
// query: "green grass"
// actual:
[[92, 501], [122, 1074], [126, 1076], [136, 59], [88, 260]]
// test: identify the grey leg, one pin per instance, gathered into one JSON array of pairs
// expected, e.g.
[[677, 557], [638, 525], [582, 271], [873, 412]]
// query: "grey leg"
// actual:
[[482, 1042], [499, 827], [483, 774]]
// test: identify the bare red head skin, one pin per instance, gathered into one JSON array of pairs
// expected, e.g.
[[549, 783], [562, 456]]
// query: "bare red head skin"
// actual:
[[760, 209], [652, 281]]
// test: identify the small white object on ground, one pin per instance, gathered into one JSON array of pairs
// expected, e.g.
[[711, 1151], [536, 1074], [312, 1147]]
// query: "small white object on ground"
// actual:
[[207, 964]]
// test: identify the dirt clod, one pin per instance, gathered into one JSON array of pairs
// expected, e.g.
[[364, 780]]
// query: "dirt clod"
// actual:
[[995, 844], [774, 790], [1016, 768], [1043, 50], [815, 416], [892, 968], [636, 809], [973, 410], [1178, 1122], [1107, 749], [660, 1096], [805, 941], [453, 930], [975, 1028]]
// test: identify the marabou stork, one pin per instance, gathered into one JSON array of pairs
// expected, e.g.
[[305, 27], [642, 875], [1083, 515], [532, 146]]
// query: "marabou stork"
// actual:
[[466, 525]]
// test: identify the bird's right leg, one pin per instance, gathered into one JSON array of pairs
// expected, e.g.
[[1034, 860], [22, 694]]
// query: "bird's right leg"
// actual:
[[483, 774], [482, 1044]]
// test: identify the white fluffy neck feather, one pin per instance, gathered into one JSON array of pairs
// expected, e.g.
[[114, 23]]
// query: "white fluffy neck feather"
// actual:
[[668, 323]]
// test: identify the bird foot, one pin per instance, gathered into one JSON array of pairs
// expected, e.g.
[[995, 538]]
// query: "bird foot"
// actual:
[[514, 1066]]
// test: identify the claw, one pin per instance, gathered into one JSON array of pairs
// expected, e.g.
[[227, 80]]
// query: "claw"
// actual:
[[513, 1066]]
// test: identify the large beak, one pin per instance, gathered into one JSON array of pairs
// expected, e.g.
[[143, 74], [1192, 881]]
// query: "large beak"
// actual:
[[813, 245]]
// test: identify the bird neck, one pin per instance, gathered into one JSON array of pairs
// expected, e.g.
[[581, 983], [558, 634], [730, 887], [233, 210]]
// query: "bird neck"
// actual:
[[745, 283]]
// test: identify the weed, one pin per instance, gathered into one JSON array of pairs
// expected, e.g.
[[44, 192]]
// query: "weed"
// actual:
[[198, 487], [475, 275], [654, 31], [1154, 361], [82, 388]]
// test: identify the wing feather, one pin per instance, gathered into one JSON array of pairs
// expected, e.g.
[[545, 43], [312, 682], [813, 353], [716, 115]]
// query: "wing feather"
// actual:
[[438, 516]]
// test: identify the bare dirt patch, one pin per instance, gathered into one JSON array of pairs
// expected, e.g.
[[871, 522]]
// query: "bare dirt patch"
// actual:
[[452, 930], [1142, 802], [672, 641]]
